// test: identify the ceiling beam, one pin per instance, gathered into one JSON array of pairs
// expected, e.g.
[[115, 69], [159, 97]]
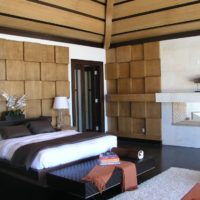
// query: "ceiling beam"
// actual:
[[108, 23]]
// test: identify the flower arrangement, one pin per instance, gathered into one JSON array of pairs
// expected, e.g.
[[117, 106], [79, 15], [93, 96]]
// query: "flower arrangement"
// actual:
[[15, 106]]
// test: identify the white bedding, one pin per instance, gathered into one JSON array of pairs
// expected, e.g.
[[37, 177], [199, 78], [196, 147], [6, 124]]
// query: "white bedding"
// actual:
[[58, 155]]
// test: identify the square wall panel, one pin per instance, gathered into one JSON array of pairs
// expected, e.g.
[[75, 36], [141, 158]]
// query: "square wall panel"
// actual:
[[38, 52], [124, 54], [2, 69], [11, 50], [137, 69], [32, 71], [138, 109], [151, 50], [62, 88], [3, 107], [124, 109], [137, 52], [111, 71], [112, 109], [111, 55], [62, 54], [33, 89], [125, 126], [138, 85], [153, 127], [14, 88], [48, 71], [33, 108], [111, 86], [123, 70], [47, 108], [152, 84], [15, 70], [112, 124], [48, 89], [153, 110], [152, 67], [138, 126], [124, 86], [61, 72]]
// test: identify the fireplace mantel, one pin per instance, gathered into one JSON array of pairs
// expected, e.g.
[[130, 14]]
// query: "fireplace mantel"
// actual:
[[178, 97]]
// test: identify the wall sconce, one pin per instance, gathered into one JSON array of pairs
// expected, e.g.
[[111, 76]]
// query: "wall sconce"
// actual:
[[60, 104], [197, 81]]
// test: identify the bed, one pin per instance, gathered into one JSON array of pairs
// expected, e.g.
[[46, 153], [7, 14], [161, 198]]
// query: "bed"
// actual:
[[54, 149]]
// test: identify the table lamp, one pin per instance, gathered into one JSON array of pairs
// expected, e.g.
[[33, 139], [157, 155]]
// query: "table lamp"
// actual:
[[60, 104]]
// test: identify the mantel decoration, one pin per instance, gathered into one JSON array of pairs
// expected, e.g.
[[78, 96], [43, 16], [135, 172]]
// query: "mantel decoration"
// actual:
[[15, 107], [197, 81]]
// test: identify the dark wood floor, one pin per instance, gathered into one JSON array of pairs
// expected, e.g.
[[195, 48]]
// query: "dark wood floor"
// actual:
[[165, 157]]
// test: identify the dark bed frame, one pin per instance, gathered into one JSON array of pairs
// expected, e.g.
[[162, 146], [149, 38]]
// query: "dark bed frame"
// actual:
[[33, 176]]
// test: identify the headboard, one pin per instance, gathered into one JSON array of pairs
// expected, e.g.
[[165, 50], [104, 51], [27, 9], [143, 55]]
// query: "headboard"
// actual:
[[23, 121]]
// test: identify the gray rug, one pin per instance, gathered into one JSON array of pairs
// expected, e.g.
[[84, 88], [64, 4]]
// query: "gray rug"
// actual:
[[171, 184]]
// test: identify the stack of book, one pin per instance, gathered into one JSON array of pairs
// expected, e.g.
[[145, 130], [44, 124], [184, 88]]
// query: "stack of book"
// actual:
[[109, 158]]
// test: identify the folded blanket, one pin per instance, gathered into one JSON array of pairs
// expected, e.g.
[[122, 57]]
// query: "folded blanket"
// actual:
[[129, 153], [100, 175], [193, 194]]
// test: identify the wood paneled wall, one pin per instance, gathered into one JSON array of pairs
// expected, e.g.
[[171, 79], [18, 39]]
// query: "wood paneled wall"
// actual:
[[37, 70], [133, 77]]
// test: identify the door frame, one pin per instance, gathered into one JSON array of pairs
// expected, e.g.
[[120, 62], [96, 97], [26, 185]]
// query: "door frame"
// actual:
[[81, 63]]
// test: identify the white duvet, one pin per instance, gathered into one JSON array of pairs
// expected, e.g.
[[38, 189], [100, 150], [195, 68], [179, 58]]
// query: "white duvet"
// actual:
[[59, 155]]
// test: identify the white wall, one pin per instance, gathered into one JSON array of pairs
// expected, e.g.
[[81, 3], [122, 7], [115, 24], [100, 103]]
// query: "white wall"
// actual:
[[75, 52], [180, 62]]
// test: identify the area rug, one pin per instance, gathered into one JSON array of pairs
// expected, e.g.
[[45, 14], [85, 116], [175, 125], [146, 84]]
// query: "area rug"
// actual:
[[171, 184]]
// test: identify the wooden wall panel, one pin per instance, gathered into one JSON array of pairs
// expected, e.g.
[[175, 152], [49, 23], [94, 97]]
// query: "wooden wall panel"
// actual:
[[38, 52], [111, 86], [124, 109], [152, 68], [123, 70], [62, 55], [138, 109], [138, 85], [111, 71], [11, 50], [112, 124], [124, 126], [33, 108], [62, 88], [124, 86], [137, 69], [47, 108], [112, 109], [133, 97], [40, 80], [61, 72], [111, 55], [153, 127], [2, 69], [48, 89], [2, 107], [33, 89], [153, 110], [151, 50], [123, 54], [152, 84], [138, 125], [138, 52], [48, 71], [32, 71], [15, 88], [15, 70]]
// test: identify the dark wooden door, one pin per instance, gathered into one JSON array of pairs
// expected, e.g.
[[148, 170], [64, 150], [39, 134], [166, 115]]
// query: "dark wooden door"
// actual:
[[87, 95]]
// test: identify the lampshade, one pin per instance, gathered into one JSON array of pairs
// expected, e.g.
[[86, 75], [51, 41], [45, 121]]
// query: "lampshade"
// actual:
[[60, 103]]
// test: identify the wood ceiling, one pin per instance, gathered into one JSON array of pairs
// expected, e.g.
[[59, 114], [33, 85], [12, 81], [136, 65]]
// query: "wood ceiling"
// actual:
[[98, 23]]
